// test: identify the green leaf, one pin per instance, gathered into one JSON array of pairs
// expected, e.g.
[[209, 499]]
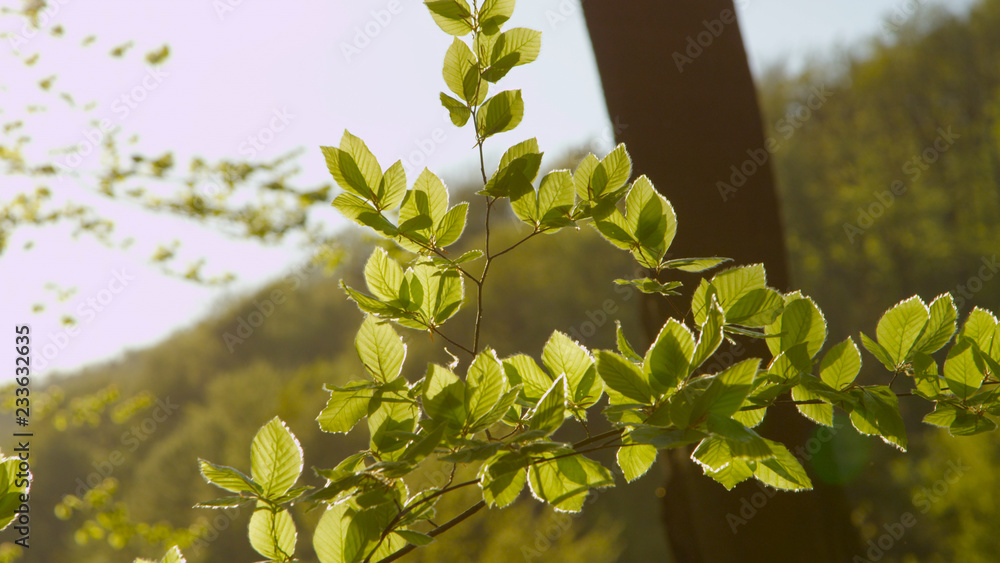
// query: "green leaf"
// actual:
[[450, 228], [393, 187], [880, 353], [980, 327], [563, 355], [383, 275], [461, 74], [635, 459], [727, 391], [498, 411], [695, 265], [413, 537], [525, 156], [624, 348], [742, 442], [518, 46], [422, 209], [564, 482], [272, 534], [841, 365], [224, 477], [500, 113], [223, 502], [555, 200], [493, 14], [518, 168], [623, 377], [441, 292], [901, 327], [582, 177], [345, 409], [503, 478], [711, 335], [783, 471], [941, 326], [756, 308], [969, 424], [551, 410], [877, 413], [275, 458], [173, 555], [444, 396], [458, 112], [734, 473], [712, 453], [962, 369], [484, 386], [371, 305], [651, 286], [391, 422], [730, 285], [354, 167], [362, 213], [651, 220], [381, 350], [338, 538], [665, 438], [613, 172], [668, 360], [424, 445], [800, 322], [522, 370], [820, 413], [454, 17], [959, 421]]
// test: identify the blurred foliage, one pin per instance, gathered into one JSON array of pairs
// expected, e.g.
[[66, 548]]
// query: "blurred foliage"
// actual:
[[847, 135]]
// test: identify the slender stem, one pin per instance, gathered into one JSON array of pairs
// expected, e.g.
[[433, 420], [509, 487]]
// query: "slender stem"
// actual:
[[518, 243], [609, 434], [439, 530], [465, 349], [392, 525]]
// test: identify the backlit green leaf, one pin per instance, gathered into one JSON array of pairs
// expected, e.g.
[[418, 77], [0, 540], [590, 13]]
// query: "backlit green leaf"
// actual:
[[275, 458]]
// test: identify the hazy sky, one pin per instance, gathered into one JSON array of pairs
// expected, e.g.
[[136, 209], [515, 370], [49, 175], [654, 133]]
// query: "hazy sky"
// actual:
[[371, 66]]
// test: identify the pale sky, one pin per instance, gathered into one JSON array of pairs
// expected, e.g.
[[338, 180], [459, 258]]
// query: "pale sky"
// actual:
[[370, 66]]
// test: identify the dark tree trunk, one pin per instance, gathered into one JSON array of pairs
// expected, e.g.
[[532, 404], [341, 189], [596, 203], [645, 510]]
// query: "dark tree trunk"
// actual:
[[676, 78]]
